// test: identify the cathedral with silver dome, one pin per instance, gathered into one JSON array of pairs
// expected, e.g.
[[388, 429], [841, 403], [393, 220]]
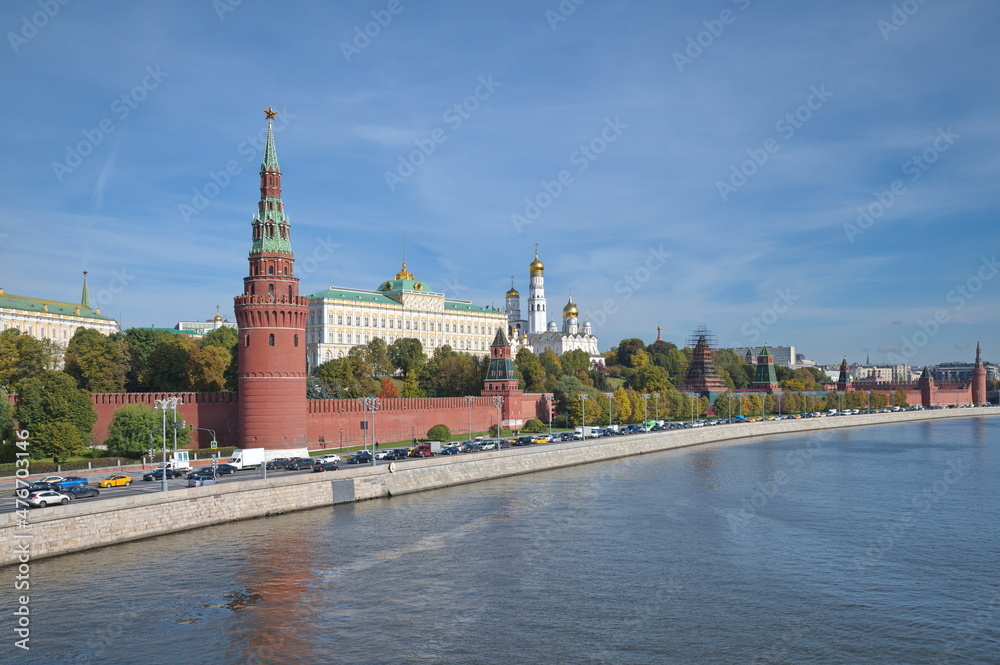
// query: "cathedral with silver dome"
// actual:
[[536, 331]]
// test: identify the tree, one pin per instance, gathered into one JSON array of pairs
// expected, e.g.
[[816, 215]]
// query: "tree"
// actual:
[[899, 398], [553, 366], [96, 362], [378, 358], [639, 359], [224, 338], [531, 370], [676, 364], [627, 348], [23, 356], [57, 439], [207, 368], [131, 428], [8, 427], [347, 377], [168, 366], [649, 379], [575, 361], [388, 389], [730, 366], [623, 406], [139, 345], [533, 425], [439, 433], [411, 388], [51, 397], [407, 355]]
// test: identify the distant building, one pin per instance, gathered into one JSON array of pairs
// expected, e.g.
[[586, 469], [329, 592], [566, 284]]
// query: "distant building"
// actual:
[[785, 356], [202, 328], [51, 319], [883, 373]]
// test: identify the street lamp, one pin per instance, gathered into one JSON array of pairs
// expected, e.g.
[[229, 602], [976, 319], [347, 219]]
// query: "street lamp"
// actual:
[[548, 404], [583, 397], [840, 402], [729, 398], [163, 405], [468, 402], [371, 403], [645, 408], [656, 406], [215, 459]]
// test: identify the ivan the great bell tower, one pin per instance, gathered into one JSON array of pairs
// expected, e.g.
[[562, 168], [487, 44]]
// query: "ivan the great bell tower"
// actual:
[[271, 319]]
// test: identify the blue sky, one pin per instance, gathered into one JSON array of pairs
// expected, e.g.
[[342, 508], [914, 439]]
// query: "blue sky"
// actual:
[[679, 163]]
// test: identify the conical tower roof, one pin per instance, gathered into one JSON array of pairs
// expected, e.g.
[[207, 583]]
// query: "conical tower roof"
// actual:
[[85, 297]]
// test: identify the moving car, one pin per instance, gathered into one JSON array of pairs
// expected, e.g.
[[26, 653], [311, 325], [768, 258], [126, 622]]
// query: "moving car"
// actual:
[[278, 463], [117, 480], [331, 457], [81, 492], [46, 498], [199, 479], [423, 450], [157, 474], [71, 481], [360, 457], [299, 463], [450, 450], [326, 466], [35, 487], [225, 469], [51, 479]]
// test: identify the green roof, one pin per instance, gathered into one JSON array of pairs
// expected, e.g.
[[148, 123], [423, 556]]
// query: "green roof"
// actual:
[[171, 330], [468, 307], [8, 301], [393, 285], [357, 296]]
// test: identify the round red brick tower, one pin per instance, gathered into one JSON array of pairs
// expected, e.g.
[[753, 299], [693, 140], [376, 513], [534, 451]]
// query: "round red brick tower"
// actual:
[[271, 318], [979, 379]]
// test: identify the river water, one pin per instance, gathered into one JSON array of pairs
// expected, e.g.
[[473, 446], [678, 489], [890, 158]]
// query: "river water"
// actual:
[[861, 545]]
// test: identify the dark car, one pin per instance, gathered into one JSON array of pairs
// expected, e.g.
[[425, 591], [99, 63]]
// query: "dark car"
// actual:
[[278, 463], [157, 474], [299, 463], [225, 469], [395, 453], [522, 441], [36, 487], [326, 466], [450, 450], [69, 482], [360, 457], [203, 472], [81, 492]]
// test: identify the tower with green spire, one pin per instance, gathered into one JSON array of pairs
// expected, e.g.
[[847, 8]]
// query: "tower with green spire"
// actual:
[[764, 379], [85, 298], [501, 379]]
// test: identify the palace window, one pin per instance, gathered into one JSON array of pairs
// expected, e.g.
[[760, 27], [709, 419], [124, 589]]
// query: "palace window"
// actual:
[[407, 324], [366, 322], [383, 322], [423, 326], [340, 338], [357, 321], [340, 319]]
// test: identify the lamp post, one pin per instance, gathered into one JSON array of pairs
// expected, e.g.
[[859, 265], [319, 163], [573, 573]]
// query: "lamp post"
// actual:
[[645, 409], [656, 406], [583, 397], [729, 398], [498, 403], [692, 398], [840, 402], [468, 403], [868, 400], [371, 404], [548, 406], [215, 460], [163, 405]]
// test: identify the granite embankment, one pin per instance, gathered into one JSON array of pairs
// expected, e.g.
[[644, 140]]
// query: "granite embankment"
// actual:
[[82, 525]]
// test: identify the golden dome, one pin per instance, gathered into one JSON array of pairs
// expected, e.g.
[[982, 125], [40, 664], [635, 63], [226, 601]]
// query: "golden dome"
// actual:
[[513, 293], [404, 273], [218, 319], [570, 309], [536, 266]]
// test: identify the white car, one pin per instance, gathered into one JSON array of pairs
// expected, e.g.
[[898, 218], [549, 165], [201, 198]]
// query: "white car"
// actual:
[[45, 498], [381, 453], [331, 458]]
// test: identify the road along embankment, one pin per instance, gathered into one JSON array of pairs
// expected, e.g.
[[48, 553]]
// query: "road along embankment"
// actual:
[[45, 532]]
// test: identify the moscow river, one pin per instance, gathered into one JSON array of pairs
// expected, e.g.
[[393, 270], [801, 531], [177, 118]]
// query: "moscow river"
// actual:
[[858, 545]]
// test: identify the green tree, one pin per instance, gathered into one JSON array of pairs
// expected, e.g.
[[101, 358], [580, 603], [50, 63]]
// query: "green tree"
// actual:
[[135, 429], [553, 366], [451, 374], [639, 359], [378, 358], [575, 361], [8, 427], [531, 370], [168, 366], [348, 377], [50, 397], [57, 439], [224, 338], [407, 355], [96, 362], [207, 366], [439, 433], [730, 367], [139, 345], [899, 399], [649, 379], [627, 348], [676, 364], [23, 356], [411, 387], [533, 425]]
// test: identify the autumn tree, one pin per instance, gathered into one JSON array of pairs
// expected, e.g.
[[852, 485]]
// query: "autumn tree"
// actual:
[[387, 389], [623, 406], [168, 366], [207, 366], [96, 362], [531, 371]]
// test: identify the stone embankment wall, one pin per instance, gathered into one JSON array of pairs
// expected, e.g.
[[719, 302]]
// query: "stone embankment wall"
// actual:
[[84, 525]]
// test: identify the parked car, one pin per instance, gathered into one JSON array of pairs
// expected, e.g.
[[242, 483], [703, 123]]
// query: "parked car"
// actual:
[[326, 466], [81, 492], [278, 463], [46, 498], [360, 457], [488, 445], [71, 481], [117, 480], [422, 450], [331, 457], [395, 453], [157, 474], [523, 441], [199, 479], [225, 469], [299, 463], [450, 450]]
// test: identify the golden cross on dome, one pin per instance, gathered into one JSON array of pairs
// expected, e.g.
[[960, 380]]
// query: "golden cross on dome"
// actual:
[[270, 113]]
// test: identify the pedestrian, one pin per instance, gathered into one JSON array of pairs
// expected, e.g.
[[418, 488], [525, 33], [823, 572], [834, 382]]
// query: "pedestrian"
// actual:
[[376, 445]]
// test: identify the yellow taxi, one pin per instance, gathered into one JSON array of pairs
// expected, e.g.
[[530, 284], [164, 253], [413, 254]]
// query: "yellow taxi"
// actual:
[[542, 438], [117, 480]]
